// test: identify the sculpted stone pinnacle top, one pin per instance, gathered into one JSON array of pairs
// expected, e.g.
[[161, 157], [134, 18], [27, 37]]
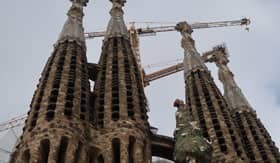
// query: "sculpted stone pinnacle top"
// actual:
[[232, 92], [73, 27], [116, 26], [190, 145], [192, 58]]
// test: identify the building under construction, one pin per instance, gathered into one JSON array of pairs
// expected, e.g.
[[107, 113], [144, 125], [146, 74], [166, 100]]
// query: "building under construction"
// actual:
[[69, 122]]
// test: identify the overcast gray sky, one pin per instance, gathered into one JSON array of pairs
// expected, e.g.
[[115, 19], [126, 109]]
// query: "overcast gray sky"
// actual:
[[29, 29]]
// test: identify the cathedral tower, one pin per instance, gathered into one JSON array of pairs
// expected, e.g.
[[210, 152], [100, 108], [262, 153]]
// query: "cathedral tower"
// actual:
[[119, 101], [56, 123], [256, 140], [208, 106]]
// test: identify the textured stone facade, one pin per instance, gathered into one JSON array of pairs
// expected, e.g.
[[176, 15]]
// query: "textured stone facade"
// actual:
[[57, 121], [256, 140], [67, 123], [56, 129], [120, 106], [208, 106]]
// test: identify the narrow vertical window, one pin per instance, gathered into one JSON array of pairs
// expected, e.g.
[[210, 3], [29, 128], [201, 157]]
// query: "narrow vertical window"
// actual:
[[26, 156], [78, 153], [100, 159], [62, 150], [44, 150], [116, 150], [131, 149], [144, 151]]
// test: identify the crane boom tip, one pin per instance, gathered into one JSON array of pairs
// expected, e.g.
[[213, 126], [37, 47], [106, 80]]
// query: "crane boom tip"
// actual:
[[245, 21]]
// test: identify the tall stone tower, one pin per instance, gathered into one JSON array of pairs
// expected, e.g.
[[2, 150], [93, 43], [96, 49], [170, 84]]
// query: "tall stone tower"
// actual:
[[122, 130], [208, 106], [256, 140], [69, 123], [56, 127]]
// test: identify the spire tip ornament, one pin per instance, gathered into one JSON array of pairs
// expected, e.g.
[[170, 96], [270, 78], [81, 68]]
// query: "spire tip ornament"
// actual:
[[83, 2], [192, 59], [116, 26], [73, 28]]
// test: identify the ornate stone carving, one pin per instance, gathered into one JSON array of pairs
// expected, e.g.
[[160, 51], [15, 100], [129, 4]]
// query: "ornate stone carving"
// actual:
[[190, 145], [192, 59]]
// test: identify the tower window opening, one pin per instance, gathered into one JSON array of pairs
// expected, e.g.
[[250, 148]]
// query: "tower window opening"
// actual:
[[50, 115], [51, 106], [68, 112], [62, 150], [131, 149], [33, 123], [26, 156], [83, 108], [44, 150], [100, 159], [69, 97], [82, 117], [78, 153], [116, 150]]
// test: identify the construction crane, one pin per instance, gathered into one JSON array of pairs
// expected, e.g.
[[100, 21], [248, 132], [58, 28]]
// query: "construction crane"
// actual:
[[151, 31], [206, 57], [134, 40], [12, 123]]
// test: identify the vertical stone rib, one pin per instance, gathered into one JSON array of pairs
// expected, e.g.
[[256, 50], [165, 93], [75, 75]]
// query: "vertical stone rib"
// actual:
[[122, 82], [131, 86], [100, 87], [140, 89], [196, 107], [128, 84], [115, 82], [108, 86], [251, 151]]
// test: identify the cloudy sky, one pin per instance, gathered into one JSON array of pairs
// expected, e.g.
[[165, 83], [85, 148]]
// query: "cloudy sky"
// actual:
[[29, 29]]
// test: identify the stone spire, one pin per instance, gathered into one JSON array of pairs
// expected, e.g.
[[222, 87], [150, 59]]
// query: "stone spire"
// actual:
[[116, 26], [56, 129], [192, 58], [207, 106], [232, 93], [73, 27], [258, 144]]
